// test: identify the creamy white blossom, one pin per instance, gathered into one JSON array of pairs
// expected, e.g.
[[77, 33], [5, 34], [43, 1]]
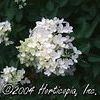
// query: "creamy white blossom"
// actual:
[[12, 75], [2, 83], [5, 27], [49, 47], [25, 81], [21, 3]]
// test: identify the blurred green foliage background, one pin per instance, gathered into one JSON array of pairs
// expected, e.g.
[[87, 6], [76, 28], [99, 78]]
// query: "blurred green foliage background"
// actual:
[[83, 15]]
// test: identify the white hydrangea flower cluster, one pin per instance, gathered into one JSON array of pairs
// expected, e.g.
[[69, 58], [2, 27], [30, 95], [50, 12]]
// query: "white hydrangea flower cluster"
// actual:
[[21, 3], [12, 75], [49, 47], [5, 27]]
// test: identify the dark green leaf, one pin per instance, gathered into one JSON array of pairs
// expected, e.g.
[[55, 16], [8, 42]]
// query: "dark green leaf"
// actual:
[[85, 47], [19, 16], [96, 69], [50, 5], [10, 13], [86, 29], [94, 58], [97, 43]]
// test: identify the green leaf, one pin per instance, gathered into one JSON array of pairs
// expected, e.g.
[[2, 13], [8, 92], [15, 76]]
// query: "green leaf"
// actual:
[[96, 70], [10, 13], [19, 28], [61, 2], [94, 58], [85, 47], [82, 27], [97, 43], [19, 16], [92, 27], [84, 64], [85, 29], [54, 13], [76, 3], [50, 5]]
